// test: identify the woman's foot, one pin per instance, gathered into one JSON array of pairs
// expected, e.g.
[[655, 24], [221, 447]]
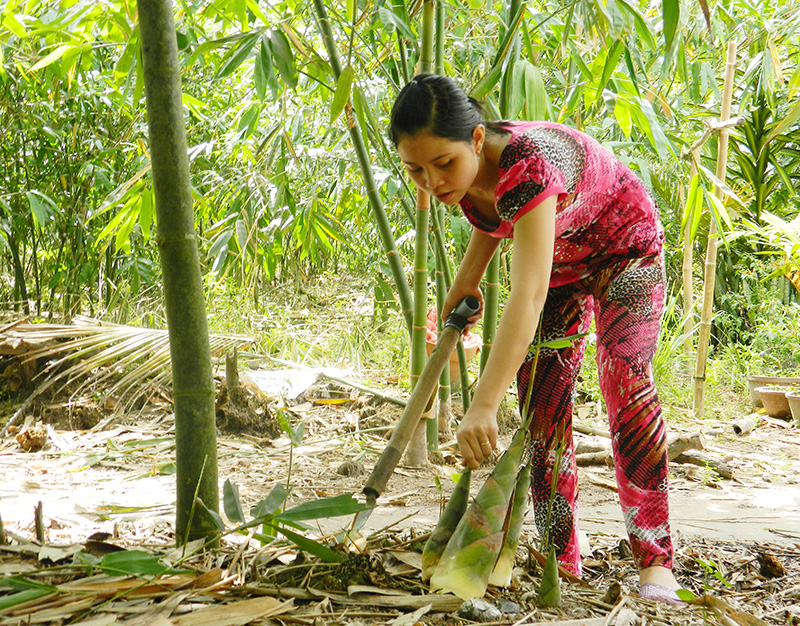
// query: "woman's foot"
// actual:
[[659, 584]]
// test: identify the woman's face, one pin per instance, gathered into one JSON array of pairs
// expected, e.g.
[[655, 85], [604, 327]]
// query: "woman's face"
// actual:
[[442, 167]]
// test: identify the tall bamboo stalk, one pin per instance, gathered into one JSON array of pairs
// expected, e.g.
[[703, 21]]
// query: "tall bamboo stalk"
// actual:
[[444, 407], [190, 351], [711, 250], [417, 451], [688, 261], [375, 202]]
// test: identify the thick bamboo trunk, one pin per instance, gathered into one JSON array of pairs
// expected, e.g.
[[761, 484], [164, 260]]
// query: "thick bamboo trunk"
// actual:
[[193, 386], [711, 250]]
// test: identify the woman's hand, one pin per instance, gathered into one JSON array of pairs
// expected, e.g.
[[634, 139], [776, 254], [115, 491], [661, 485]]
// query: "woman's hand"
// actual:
[[477, 435]]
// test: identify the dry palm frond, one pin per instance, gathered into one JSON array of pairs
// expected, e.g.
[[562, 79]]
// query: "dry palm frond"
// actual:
[[92, 352]]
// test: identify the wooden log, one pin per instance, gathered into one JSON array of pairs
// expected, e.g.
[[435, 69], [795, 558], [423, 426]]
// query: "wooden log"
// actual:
[[676, 445], [680, 443], [703, 460], [604, 457]]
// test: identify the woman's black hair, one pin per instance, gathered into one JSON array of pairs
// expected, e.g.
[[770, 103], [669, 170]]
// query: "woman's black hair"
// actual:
[[436, 104]]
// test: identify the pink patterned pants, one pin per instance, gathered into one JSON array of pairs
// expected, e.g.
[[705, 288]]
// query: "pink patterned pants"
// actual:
[[626, 297]]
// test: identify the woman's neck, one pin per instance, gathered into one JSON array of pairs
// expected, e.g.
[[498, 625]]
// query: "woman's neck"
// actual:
[[489, 169]]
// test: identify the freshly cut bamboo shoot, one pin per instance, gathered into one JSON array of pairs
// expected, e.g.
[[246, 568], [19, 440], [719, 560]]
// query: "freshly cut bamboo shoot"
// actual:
[[448, 521], [501, 574], [472, 551]]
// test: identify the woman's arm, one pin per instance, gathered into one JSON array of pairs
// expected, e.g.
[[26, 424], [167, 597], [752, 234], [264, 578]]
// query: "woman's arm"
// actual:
[[479, 252], [534, 237]]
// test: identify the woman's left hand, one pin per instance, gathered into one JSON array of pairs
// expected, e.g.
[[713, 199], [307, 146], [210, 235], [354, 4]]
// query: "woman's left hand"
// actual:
[[477, 436]]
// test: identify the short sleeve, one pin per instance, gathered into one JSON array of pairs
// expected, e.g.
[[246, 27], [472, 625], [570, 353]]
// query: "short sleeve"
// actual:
[[526, 184]]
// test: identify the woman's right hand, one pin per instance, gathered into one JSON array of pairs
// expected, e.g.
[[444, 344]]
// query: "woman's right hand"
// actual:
[[456, 294]]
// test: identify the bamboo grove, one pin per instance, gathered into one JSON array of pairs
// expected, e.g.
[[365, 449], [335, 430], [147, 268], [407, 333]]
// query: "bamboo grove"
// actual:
[[292, 175]]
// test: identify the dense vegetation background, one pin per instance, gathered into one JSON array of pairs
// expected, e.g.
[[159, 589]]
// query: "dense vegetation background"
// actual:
[[290, 249]]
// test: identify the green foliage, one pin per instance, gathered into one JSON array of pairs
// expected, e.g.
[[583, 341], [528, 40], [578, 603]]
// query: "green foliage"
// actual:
[[279, 198], [268, 514]]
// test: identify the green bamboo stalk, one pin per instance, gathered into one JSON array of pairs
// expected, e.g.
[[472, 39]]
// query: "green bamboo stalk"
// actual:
[[443, 278], [375, 202], [193, 385], [416, 453], [491, 305]]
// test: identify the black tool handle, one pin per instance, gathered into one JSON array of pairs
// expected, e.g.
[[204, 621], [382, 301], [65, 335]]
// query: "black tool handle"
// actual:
[[459, 316]]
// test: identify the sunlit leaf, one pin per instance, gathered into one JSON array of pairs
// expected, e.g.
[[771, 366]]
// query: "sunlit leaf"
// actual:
[[672, 12], [612, 59], [54, 56], [333, 506], [11, 23], [342, 93]]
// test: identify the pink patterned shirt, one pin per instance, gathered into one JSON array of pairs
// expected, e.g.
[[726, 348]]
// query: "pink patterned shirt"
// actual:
[[603, 209]]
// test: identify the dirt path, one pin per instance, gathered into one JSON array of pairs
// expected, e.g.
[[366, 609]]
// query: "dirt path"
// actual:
[[120, 481]]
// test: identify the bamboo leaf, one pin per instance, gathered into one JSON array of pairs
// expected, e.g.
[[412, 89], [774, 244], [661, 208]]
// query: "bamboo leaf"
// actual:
[[335, 506], [342, 94], [693, 208], [396, 16], [311, 546], [283, 57], [132, 562], [790, 120], [237, 54], [270, 504], [722, 186], [612, 59], [20, 583], [21, 597], [39, 209], [54, 56], [642, 26], [232, 504], [672, 12]]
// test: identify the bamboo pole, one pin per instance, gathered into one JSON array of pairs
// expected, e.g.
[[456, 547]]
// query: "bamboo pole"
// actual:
[[444, 406], [426, 431], [688, 261], [711, 250], [417, 452], [190, 352]]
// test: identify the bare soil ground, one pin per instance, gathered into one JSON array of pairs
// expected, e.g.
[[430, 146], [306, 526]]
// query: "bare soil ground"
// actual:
[[738, 539]]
